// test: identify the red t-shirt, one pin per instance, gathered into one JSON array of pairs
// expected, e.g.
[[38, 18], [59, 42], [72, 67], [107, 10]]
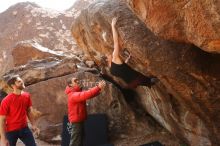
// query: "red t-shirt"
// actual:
[[15, 107]]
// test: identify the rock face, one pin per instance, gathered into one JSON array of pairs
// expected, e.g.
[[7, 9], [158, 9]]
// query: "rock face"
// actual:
[[48, 97], [186, 100], [45, 68], [37, 71], [195, 21], [36, 43]]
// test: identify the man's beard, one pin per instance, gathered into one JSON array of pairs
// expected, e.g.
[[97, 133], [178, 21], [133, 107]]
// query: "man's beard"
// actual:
[[21, 87], [80, 84]]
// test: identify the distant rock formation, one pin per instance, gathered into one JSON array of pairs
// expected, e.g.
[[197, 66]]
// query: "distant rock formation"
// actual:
[[29, 22]]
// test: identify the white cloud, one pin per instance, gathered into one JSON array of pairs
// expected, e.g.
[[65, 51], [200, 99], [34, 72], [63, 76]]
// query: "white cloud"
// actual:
[[59, 5]]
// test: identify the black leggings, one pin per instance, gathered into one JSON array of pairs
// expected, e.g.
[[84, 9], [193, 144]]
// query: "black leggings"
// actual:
[[140, 81]]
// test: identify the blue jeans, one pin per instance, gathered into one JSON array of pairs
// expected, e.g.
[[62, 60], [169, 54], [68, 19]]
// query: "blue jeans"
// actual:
[[24, 134]]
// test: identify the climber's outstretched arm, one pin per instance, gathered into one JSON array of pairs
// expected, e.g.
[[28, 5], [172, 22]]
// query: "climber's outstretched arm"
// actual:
[[115, 55]]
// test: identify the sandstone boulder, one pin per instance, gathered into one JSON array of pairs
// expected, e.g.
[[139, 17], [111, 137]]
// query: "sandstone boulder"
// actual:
[[189, 77], [45, 69], [194, 21]]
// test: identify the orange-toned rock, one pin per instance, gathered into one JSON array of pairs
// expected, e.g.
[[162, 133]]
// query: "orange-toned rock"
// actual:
[[48, 97], [194, 21], [186, 101], [45, 69]]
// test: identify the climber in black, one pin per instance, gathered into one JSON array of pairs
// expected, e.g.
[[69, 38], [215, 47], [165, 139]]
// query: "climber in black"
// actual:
[[120, 69]]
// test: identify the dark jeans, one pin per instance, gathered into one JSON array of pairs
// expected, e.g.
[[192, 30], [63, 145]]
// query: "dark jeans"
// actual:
[[77, 134], [25, 135]]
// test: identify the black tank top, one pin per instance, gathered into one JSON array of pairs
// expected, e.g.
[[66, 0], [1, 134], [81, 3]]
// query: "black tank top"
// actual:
[[125, 72]]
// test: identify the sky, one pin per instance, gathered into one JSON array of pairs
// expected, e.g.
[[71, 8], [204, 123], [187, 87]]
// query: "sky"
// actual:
[[59, 5]]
